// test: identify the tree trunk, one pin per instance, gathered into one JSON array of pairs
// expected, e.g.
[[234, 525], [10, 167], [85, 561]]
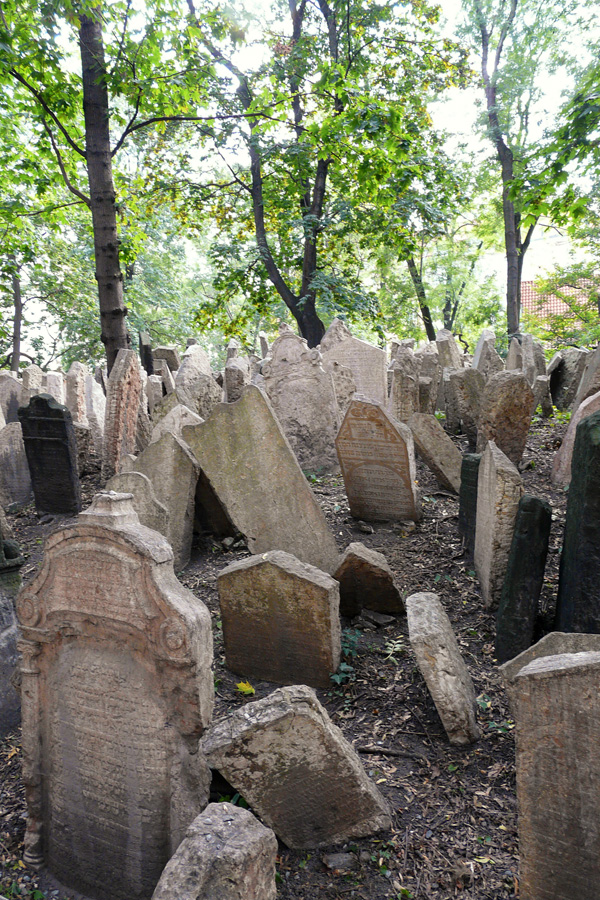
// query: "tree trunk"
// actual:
[[114, 334], [422, 299], [17, 321]]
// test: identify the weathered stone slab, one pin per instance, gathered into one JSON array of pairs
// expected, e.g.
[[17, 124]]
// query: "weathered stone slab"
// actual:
[[431, 369], [558, 774], [154, 392], [76, 393], [518, 607], [15, 480], [122, 406], [170, 355], [590, 380], [284, 747], [10, 582], [565, 371], [553, 644], [437, 450], [264, 344], [561, 465], [251, 467], [368, 363], [32, 380], [450, 357], [467, 500], [506, 410], [489, 362], [116, 691], [344, 385], [578, 602], [236, 376], [150, 512], [404, 390], [10, 396], [534, 361], [195, 386], [294, 609], [145, 349], [174, 422], [514, 358], [51, 449], [366, 580], [376, 454], [499, 489], [161, 368], [303, 399], [542, 396], [227, 854], [442, 666], [54, 384], [464, 389], [95, 405]]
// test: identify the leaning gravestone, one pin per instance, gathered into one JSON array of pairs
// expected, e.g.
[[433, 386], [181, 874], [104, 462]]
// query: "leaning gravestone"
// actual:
[[590, 379], [122, 406], [10, 396], [499, 489], [51, 449], [437, 450], [235, 377], [557, 710], [555, 643], [506, 410], [467, 504], [517, 611], [514, 357], [565, 371], [10, 582], [450, 357], [150, 512], [368, 363], [578, 603], [76, 393], [116, 691], [296, 770], [54, 384], [32, 380], [170, 355], [15, 480], [194, 384], [294, 611], [344, 385], [252, 469], [366, 581], [302, 396], [430, 376], [378, 464], [95, 405], [464, 389], [561, 466], [404, 390]]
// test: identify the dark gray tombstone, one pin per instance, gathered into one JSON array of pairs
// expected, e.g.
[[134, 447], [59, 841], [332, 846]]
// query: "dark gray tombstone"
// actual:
[[51, 450], [146, 357], [10, 582], [467, 510], [517, 611], [578, 604]]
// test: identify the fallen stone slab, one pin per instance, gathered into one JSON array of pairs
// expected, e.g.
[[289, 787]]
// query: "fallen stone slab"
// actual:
[[366, 580], [296, 770], [437, 450], [226, 855]]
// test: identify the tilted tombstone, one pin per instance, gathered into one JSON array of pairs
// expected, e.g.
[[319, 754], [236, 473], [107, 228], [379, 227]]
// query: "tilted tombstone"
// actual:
[[404, 391], [344, 384], [161, 368], [195, 385], [51, 450], [95, 404], [264, 344], [437, 450], [578, 602], [122, 406], [233, 349], [542, 396], [15, 480], [235, 377], [368, 363], [450, 356], [249, 465], [489, 362], [154, 392], [565, 371], [302, 396], [366, 581], [464, 390], [145, 348], [561, 465], [518, 606], [174, 422], [590, 379], [553, 644], [170, 355], [534, 361], [506, 410], [296, 770], [76, 394], [499, 489], [488, 337], [378, 464], [10, 396], [467, 501], [116, 690], [557, 711], [293, 610]]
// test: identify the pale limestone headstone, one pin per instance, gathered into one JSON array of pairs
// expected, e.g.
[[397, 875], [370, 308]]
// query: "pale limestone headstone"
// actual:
[[542, 396], [10, 396], [251, 467], [534, 361], [488, 337], [463, 390], [2, 419], [122, 406], [432, 370], [154, 392], [437, 450], [233, 349], [507, 406], [235, 377], [174, 422], [15, 481], [170, 355], [227, 854], [54, 384], [499, 489], [116, 690], [95, 404], [368, 363], [555, 643], [150, 512], [161, 368], [366, 581], [344, 384], [557, 711], [162, 409], [76, 394], [442, 666], [514, 358], [490, 362], [32, 380], [296, 770], [450, 356], [561, 467], [404, 390], [376, 454], [294, 609], [195, 386], [264, 344], [303, 399]]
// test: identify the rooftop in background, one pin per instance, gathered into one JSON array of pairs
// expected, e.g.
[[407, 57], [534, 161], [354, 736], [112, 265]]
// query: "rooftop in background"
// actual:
[[545, 305]]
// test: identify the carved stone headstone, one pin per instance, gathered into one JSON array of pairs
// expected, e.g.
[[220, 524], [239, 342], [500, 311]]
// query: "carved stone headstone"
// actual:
[[432, 370], [553, 644], [499, 489], [122, 406], [10, 582], [368, 363], [578, 603], [293, 611], [15, 480], [437, 450], [264, 344], [542, 396], [51, 450], [506, 410], [161, 368], [170, 355], [296, 770], [565, 371], [514, 358], [464, 390], [150, 512], [376, 454], [195, 385], [235, 377], [233, 349], [250, 466], [116, 691], [344, 384], [518, 607], [154, 392], [561, 465], [95, 404], [467, 505], [404, 391], [534, 361], [450, 357], [32, 380], [174, 422], [76, 393], [54, 384], [366, 581], [10, 396]]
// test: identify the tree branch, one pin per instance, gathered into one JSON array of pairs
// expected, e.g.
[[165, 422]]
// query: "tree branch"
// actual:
[[18, 77], [63, 171]]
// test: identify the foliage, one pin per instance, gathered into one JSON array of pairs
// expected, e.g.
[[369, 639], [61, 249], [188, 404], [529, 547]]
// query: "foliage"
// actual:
[[578, 286]]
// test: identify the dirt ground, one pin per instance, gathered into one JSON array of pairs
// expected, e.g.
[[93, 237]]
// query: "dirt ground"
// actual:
[[454, 810]]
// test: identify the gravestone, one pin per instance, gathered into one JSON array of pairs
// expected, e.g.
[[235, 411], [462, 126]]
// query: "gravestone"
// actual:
[[51, 449], [170, 355], [442, 666], [95, 404], [561, 465], [467, 501], [250, 466], [161, 368], [542, 396], [154, 392], [226, 854], [378, 464], [236, 376], [303, 399], [499, 489], [514, 358], [463, 391], [450, 357], [578, 602], [366, 581], [534, 361], [145, 348], [10, 396], [15, 480], [367, 363], [150, 512], [121, 417], [430, 368], [10, 582], [32, 380], [565, 371], [553, 644], [54, 384], [233, 349], [518, 607], [195, 386], [404, 391], [296, 770], [437, 450], [76, 393], [264, 344], [590, 380], [293, 611], [506, 410], [344, 385], [174, 422], [116, 690], [557, 710]]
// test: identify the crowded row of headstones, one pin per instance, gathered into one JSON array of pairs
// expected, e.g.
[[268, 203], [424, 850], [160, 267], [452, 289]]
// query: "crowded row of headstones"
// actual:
[[185, 459]]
